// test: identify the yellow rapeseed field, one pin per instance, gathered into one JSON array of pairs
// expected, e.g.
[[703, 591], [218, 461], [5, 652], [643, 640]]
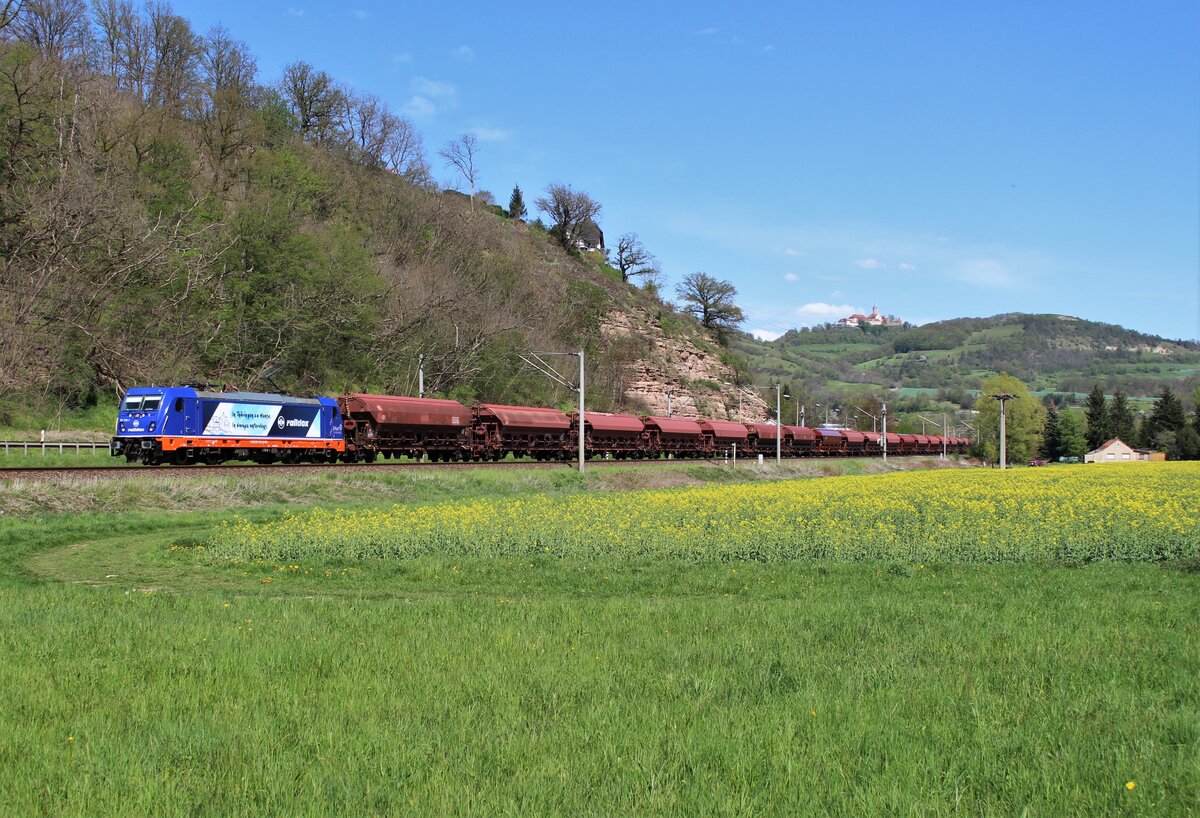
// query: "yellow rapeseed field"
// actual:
[[1142, 511]]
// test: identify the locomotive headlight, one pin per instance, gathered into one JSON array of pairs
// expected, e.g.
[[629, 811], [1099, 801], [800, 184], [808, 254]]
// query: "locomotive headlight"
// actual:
[[153, 423]]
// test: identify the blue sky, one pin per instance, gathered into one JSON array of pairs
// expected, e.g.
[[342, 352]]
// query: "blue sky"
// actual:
[[937, 159]]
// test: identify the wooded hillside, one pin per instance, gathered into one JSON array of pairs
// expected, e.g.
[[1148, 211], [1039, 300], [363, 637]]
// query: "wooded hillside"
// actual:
[[165, 216]]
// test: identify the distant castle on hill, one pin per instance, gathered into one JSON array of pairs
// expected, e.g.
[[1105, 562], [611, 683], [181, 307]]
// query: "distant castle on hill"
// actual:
[[875, 319]]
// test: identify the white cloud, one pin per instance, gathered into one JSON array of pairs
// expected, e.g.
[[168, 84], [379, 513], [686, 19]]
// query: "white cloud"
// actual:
[[765, 334], [869, 263], [420, 107], [432, 88], [360, 14], [708, 32], [821, 308], [490, 134], [792, 251], [767, 49], [820, 277], [790, 277], [402, 59], [820, 312], [291, 12], [904, 265], [836, 294], [430, 96], [464, 53]]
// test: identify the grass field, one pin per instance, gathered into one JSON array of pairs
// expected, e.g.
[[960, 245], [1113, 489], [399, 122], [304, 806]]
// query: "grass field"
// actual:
[[138, 679]]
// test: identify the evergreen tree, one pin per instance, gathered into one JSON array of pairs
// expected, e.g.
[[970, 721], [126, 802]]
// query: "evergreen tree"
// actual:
[[1163, 428], [1097, 420], [1051, 449], [1071, 440], [1145, 433], [516, 204], [1168, 415], [1188, 443], [1120, 418]]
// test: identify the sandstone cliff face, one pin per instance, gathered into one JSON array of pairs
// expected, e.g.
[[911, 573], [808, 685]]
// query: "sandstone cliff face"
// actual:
[[678, 371]]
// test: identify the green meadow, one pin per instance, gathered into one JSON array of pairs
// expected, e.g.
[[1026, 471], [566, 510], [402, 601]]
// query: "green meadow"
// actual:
[[140, 676]]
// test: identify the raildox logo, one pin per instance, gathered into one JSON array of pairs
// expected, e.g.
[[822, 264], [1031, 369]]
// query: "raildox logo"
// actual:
[[280, 423]]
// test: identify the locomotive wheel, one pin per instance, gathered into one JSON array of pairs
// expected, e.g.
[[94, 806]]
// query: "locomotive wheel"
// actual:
[[369, 457]]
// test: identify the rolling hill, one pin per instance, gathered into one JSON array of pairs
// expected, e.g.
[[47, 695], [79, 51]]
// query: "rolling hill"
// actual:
[[1050, 353]]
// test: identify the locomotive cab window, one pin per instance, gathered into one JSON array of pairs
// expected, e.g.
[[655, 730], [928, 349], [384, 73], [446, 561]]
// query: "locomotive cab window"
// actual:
[[179, 404], [133, 403], [151, 403]]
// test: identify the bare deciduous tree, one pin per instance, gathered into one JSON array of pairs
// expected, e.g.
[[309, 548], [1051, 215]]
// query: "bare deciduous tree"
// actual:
[[175, 57], [403, 152], [710, 300], [314, 99], [124, 44], [633, 259], [460, 154], [367, 121], [569, 209], [56, 28], [229, 71], [8, 12]]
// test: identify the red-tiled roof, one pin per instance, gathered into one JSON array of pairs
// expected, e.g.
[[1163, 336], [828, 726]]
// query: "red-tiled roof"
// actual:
[[1108, 443]]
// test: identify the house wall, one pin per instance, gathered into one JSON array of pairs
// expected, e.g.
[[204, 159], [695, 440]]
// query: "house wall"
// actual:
[[1115, 452]]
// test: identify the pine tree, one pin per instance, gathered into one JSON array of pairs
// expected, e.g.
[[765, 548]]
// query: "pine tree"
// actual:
[[1163, 428], [516, 204], [1120, 417], [1051, 449], [1097, 421], [1168, 415]]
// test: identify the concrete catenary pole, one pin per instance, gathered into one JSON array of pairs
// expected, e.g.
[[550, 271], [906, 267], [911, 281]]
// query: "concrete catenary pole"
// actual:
[[1002, 397], [883, 425], [778, 425], [420, 376], [582, 423]]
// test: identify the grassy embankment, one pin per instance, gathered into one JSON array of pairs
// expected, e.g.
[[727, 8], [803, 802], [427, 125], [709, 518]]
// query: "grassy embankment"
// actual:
[[586, 684]]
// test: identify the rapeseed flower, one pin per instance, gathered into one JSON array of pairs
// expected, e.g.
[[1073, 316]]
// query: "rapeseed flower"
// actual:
[[1132, 512]]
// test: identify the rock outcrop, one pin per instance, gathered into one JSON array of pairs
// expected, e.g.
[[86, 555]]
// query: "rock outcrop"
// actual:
[[679, 374]]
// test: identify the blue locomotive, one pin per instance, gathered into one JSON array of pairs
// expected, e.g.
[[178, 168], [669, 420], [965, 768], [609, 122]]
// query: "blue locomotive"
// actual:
[[186, 424]]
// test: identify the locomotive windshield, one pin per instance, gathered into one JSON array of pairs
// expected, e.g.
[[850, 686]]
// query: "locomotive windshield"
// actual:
[[141, 403]]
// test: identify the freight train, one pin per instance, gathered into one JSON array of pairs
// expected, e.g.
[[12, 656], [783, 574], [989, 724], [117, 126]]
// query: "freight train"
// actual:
[[188, 424]]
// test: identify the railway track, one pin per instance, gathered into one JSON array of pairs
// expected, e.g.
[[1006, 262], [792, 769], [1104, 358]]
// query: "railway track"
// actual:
[[134, 472]]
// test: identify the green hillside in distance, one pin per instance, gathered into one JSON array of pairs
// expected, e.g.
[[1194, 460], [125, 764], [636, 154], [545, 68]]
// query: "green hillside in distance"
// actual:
[[1050, 353]]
